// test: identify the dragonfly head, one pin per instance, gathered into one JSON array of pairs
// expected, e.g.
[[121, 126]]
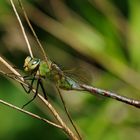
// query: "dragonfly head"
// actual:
[[31, 64]]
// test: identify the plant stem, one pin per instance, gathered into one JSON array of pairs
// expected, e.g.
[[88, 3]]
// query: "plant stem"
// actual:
[[29, 113], [22, 28]]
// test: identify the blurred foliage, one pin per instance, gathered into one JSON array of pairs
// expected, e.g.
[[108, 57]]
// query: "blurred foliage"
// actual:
[[99, 37]]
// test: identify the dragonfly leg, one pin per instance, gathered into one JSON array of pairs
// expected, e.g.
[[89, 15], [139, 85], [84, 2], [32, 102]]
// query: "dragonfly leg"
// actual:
[[27, 77], [43, 90], [38, 82], [31, 85]]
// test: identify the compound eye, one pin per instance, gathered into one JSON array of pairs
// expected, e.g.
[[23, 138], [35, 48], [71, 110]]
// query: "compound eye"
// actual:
[[35, 62]]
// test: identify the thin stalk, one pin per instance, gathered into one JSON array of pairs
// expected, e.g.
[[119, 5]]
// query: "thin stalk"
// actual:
[[10, 67], [31, 27], [22, 28], [30, 114], [65, 128], [67, 112]]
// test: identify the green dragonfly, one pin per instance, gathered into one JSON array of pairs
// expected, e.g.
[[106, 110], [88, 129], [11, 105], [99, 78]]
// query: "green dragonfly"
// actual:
[[46, 69]]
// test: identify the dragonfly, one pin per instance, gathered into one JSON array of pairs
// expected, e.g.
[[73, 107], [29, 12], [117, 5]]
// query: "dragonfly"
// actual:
[[46, 69], [49, 70]]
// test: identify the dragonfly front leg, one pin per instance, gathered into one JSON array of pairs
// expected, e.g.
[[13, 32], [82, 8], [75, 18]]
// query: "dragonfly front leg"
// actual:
[[36, 92], [43, 90], [31, 85]]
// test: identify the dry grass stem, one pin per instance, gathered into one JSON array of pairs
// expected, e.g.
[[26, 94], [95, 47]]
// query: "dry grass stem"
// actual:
[[30, 114], [22, 28], [29, 24]]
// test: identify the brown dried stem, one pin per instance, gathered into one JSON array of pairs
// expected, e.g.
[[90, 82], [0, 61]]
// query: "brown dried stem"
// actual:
[[22, 28], [29, 113], [33, 32]]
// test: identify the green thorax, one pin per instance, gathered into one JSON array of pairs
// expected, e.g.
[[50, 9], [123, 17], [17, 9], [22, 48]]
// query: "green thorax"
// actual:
[[44, 69]]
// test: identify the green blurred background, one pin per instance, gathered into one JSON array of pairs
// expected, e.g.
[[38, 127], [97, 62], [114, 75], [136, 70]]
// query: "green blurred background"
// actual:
[[97, 42]]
